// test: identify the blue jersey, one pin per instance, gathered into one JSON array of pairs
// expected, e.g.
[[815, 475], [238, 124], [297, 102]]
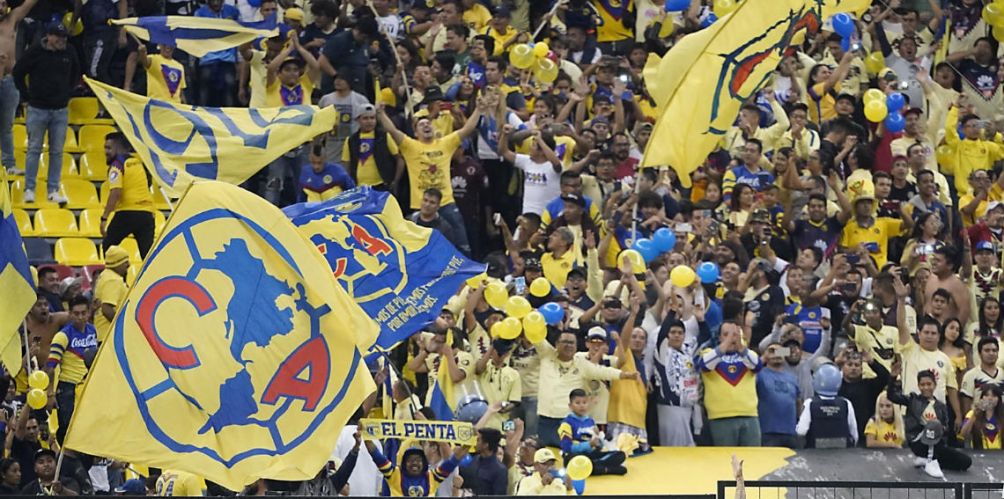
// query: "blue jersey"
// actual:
[[576, 432], [331, 176], [808, 318]]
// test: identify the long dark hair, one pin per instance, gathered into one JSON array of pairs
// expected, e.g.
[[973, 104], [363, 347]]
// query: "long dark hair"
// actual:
[[736, 194], [980, 417], [960, 341], [984, 329]]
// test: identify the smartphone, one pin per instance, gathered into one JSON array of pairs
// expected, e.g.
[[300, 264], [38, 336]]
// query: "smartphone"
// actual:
[[624, 78], [497, 219], [853, 258], [684, 227], [784, 351], [508, 426], [520, 285]]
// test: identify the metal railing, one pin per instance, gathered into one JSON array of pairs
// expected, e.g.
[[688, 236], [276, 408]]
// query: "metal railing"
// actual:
[[806, 489]]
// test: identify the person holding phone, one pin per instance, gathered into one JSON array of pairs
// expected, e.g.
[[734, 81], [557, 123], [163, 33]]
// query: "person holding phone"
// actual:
[[546, 479], [779, 400]]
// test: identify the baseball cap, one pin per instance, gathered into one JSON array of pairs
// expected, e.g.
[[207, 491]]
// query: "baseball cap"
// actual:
[[293, 14], [574, 198], [293, 60], [44, 452], [914, 110], [544, 455], [532, 263], [67, 282], [931, 434], [501, 11], [132, 487], [888, 75], [596, 333], [363, 109], [577, 272], [985, 246], [993, 205], [115, 256], [848, 97], [432, 94], [56, 28]]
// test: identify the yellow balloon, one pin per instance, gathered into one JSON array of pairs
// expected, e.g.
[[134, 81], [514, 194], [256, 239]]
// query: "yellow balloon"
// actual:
[[496, 294], [540, 287], [541, 49], [496, 329], [534, 321], [724, 7], [874, 63], [546, 70], [993, 13], [477, 280], [876, 111], [37, 398], [535, 335], [38, 379], [77, 28], [682, 276], [998, 31], [521, 56], [579, 468], [873, 94], [517, 307], [511, 328], [637, 261]]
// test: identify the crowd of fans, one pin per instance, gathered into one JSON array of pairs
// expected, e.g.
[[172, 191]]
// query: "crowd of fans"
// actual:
[[855, 272]]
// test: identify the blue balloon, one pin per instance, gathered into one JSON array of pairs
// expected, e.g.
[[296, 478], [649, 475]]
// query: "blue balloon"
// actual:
[[894, 102], [845, 44], [895, 122], [579, 486], [664, 240], [646, 247], [467, 460], [708, 272], [552, 312], [677, 5], [843, 25], [708, 21]]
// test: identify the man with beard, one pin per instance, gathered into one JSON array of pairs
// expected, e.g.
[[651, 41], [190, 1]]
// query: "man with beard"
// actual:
[[860, 391], [48, 288]]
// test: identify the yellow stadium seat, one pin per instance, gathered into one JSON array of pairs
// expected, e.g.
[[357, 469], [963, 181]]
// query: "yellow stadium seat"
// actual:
[[84, 111], [17, 196], [69, 164], [130, 246], [23, 222], [20, 137], [103, 193], [76, 252], [92, 166], [56, 222], [70, 144], [90, 222], [159, 202], [92, 137], [80, 194]]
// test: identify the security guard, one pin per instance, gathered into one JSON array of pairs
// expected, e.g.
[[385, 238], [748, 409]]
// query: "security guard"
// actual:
[[129, 198]]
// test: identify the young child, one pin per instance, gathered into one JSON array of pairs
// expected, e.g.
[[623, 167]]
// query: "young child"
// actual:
[[885, 429], [413, 478], [580, 436], [984, 419], [827, 420], [925, 421]]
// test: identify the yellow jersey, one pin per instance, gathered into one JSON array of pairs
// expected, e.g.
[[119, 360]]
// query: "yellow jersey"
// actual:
[[610, 25], [477, 16], [165, 79], [130, 177], [884, 432], [556, 268], [501, 38], [279, 95], [258, 78], [69, 348], [875, 237], [180, 483], [989, 433], [111, 289], [822, 106], [429, 166], [366, 170], [968, 155]]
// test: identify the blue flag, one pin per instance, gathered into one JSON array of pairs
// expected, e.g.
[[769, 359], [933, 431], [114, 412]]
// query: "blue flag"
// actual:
[[399, 273]]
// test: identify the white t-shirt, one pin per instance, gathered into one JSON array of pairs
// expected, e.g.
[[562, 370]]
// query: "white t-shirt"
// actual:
[[540, 185], [365, 479]]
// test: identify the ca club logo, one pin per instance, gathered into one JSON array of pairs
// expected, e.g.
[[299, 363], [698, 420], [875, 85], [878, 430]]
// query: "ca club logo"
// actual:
[[224, 332]]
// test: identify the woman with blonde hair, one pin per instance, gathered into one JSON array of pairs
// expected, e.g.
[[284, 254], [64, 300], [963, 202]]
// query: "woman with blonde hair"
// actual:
[[885, 429]]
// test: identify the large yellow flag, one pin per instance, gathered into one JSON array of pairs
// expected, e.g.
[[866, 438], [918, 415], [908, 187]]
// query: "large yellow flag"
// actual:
[[197, 35], [235, 356], [179, 143], [702, 82], [17, 290]]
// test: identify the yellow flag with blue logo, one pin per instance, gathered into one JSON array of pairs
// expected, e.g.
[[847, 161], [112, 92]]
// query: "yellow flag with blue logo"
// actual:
[[197, 35], [235, 355], [17, 290], [180, 143], [700, 84]]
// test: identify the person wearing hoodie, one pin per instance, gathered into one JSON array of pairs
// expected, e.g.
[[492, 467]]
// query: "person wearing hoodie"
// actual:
[[860, 391]]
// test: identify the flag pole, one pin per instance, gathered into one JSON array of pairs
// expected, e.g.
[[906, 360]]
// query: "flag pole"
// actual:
[[404, 77], [547, 19]]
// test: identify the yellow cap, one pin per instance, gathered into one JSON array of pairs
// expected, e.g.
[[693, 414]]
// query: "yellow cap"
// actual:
[[115, 256]]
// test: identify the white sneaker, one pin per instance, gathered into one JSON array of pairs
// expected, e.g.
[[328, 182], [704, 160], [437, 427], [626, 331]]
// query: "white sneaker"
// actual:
[[29, 196], [15, 171], [919, 462], [932, 468], [58, 198]]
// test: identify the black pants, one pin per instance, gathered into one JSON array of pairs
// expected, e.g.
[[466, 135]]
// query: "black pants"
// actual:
[[949, 458], [604, 462], [217, 84], [65, 401], [137, 223], [502, 199]]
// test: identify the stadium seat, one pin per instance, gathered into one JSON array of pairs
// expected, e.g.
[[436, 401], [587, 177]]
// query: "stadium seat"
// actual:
[[159, 220], [92, 138], [129, 244], [92, 166], [55, 222], [69, 166], [84, 111], [90, 222], [23, 222], [80, 193], [20, 137], [38, 249], [76, 252], [70, 145], [17, 196], [132, 273]]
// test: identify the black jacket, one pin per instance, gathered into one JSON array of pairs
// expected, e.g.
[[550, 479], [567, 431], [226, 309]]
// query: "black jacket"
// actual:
[[862, 394], [913, 420], [46, 78]]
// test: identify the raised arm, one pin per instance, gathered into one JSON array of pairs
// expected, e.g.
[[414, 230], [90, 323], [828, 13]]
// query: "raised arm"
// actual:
[[388, 125]]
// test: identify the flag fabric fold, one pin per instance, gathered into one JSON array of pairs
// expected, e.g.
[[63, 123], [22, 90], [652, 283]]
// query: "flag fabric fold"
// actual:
[[197, 35], [180, 143], [401, 274], [17, 287], [235, 356], [701, 83]]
